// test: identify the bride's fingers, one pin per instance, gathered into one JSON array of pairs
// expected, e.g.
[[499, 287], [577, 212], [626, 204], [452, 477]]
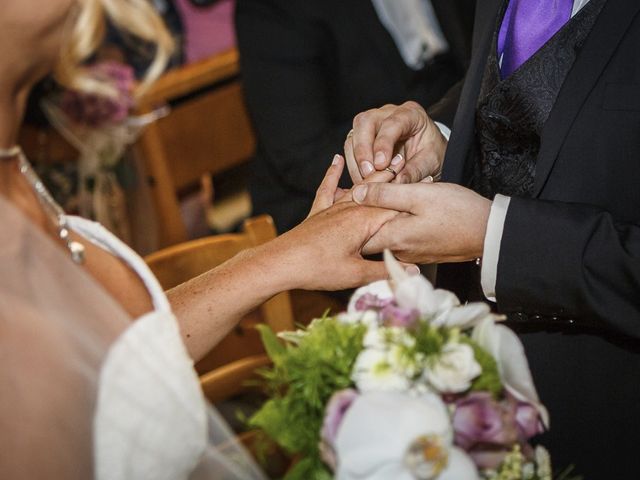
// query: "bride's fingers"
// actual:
[[327, 190], [372, 270], [388, 174], [352, 165], [383, 176]]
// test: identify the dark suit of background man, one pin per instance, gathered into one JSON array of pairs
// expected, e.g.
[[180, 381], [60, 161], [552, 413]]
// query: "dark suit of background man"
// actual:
[[555, 144], [308, 66]]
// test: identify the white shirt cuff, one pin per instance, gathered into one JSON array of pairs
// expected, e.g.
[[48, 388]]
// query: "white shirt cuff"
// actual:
[[446, 131], [492, 239]]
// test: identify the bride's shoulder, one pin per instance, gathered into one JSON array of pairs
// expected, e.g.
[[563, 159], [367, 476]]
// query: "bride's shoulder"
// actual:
[[151, 418]]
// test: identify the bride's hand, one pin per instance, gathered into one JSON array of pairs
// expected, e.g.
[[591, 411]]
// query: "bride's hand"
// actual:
[[324, 251], [329, 193]]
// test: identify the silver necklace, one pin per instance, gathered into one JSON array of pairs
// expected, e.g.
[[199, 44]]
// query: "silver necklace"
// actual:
[[54, 211]]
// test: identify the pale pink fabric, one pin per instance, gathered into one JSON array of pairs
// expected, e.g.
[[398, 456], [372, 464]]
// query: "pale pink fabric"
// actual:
[[207, 30]]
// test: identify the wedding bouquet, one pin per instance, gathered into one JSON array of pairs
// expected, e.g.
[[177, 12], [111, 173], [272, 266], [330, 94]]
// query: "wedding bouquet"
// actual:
[[407, 384], [101, 128]]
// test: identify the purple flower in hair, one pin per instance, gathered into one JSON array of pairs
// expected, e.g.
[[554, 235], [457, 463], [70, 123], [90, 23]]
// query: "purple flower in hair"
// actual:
[[97, 110]]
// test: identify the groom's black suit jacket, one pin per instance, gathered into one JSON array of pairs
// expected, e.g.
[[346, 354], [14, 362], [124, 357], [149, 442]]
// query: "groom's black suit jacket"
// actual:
[[573, 250]]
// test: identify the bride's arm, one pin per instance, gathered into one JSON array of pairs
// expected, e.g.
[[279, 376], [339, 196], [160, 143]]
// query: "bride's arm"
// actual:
[[321, 253]]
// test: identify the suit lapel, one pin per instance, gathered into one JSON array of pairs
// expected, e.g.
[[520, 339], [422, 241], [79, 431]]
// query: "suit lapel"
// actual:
[[463, 126], [613, 21]]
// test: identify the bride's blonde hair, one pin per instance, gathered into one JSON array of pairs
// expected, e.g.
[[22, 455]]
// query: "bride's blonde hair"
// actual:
[[136, 17]]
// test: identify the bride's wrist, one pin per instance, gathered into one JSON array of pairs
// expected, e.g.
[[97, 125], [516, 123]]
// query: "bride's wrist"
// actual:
[[275, 263]]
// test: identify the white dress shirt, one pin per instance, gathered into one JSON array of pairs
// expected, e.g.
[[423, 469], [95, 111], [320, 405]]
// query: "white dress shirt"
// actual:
[[415, 29], [495, 224]]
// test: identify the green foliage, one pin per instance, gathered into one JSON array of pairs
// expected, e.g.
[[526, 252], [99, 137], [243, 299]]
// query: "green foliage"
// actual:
[[429, 339], [309, 468], [489, 379], [301, 381], [568, 474], [274, 347]]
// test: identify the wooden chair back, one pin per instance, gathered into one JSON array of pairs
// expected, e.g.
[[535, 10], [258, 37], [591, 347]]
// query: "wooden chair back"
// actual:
[[206, 131], [236, 357]]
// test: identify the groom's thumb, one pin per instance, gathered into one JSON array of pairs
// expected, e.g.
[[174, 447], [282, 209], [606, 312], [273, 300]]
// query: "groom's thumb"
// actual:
[[393, 196]]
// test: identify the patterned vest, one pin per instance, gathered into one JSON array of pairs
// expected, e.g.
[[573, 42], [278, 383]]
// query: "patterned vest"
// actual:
[[511, 113]]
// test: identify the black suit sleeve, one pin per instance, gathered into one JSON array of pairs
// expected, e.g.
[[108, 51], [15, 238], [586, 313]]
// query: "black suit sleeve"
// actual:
[[570, 260], [287, 90]]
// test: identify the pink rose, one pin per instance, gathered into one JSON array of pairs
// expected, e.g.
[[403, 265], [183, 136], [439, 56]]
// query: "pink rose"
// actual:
[[395, 316], [527, 419], [485, 428], [369, 301]]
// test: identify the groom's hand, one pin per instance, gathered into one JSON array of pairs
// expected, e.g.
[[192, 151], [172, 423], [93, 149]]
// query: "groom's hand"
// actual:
[[382, 138], [441, 222]]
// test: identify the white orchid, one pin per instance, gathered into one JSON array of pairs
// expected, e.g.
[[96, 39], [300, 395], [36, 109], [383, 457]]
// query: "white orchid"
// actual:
[[395, 435], [507, 350], [368, 317], [442, 307], [380, 290]]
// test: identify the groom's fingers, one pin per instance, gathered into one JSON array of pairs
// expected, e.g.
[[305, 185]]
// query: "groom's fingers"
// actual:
[[325, 195], [366, 126], [389, 236], [417, 168], [352, 165], [401, 123], [390, 173], [394, 196]]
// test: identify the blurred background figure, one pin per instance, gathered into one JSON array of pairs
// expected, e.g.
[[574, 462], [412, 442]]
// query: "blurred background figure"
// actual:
[[208, 27], [309, 67], [203, 30]]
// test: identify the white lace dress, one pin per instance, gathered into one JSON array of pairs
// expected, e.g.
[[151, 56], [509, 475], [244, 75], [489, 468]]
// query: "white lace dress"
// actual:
[[151, 421]]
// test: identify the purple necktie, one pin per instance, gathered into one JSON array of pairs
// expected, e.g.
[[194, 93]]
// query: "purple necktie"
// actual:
[[527, 26]]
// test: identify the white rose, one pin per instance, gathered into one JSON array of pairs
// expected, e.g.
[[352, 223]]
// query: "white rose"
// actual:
[[374, 338], [454, 369], [386, 337], [368, 318], [405, 362], [377, 370]]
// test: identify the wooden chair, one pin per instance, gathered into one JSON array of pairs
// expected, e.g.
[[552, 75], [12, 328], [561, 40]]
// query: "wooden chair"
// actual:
[[233, 361], [207, 131]]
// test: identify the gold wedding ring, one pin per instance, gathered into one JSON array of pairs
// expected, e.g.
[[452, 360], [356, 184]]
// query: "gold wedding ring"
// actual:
[[391, 171]]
